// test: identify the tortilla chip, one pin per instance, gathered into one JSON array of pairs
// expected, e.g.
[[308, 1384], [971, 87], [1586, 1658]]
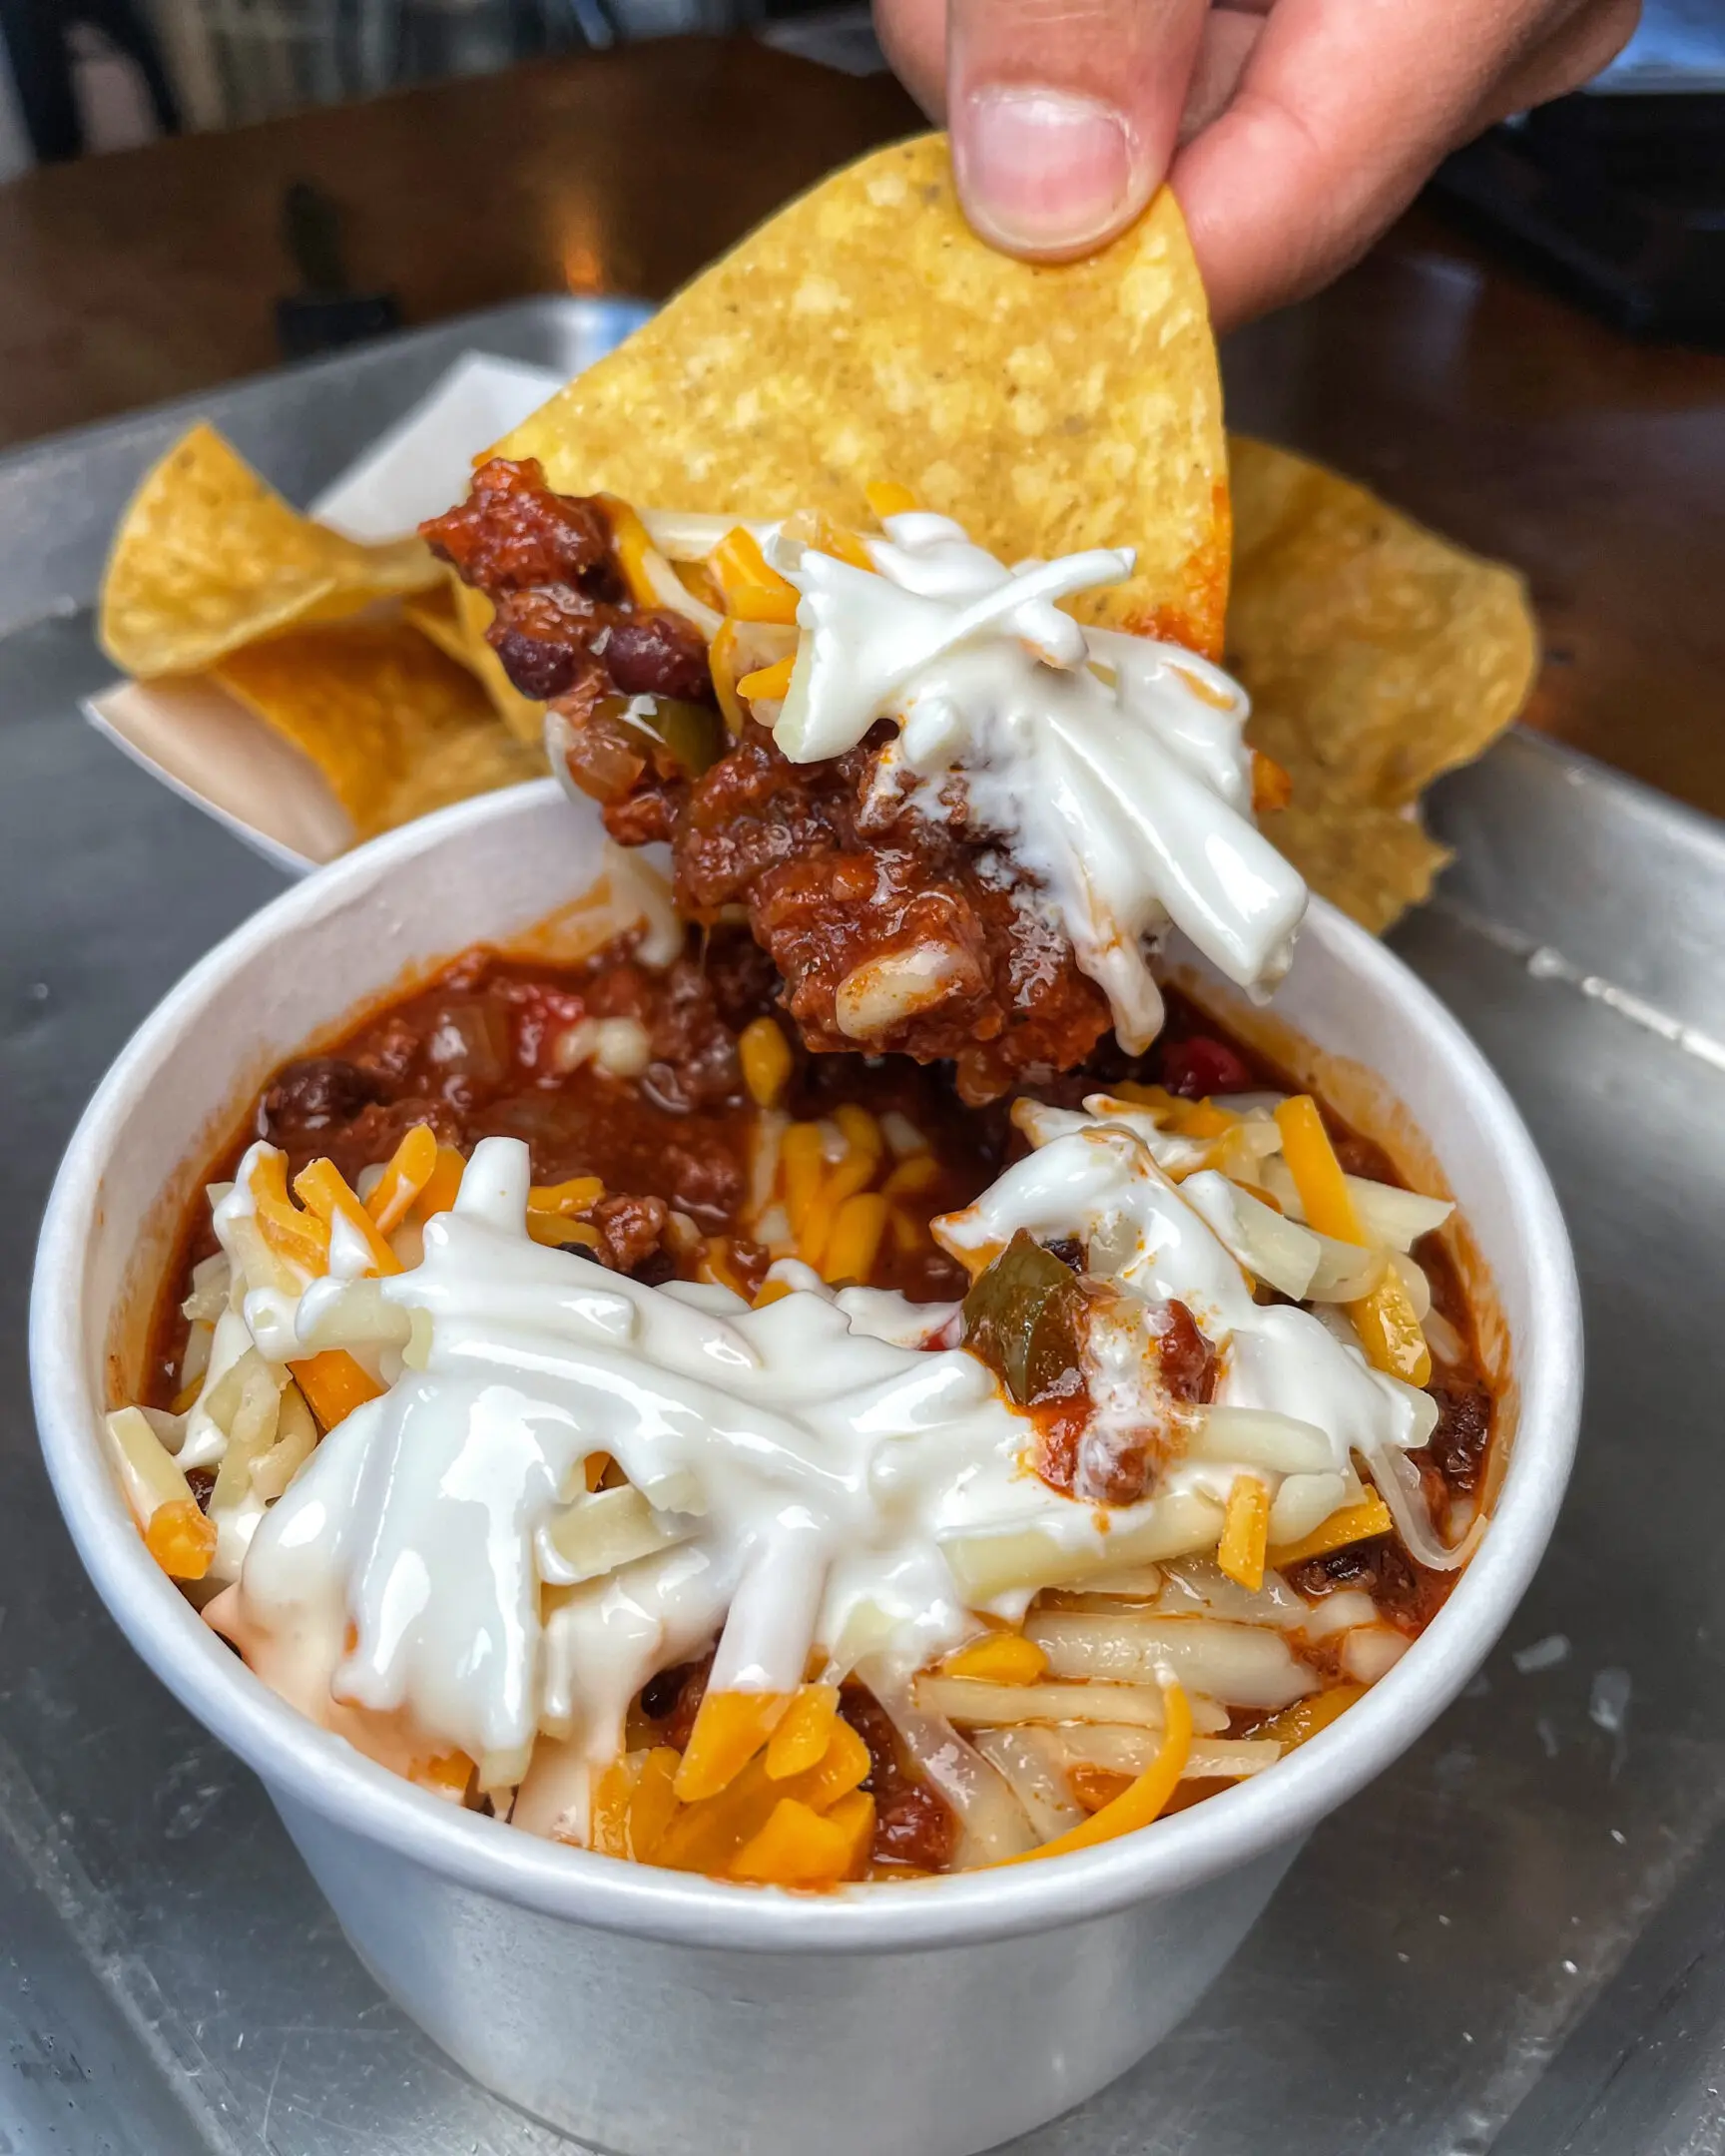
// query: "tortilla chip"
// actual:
[[1376, 656], [521, 715], [477, 760], [1372, 862], [436, 613], [455, 618], [866, 333], [207, 557], [369, 703]]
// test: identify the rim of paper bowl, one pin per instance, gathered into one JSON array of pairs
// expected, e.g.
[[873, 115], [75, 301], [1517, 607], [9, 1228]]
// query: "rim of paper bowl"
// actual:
[[327, 1775]]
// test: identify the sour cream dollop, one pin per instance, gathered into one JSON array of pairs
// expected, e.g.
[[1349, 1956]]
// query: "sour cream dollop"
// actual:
[[823, 1472], [1112, 769]]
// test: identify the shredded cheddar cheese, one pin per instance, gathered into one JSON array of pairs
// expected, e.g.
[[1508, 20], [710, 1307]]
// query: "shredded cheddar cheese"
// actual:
[[1245, 1532], [999, 1658], [410, 1168], [1354, 1523]]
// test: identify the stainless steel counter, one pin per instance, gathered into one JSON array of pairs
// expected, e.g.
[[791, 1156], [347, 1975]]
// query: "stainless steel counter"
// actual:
[[1512, 1942]]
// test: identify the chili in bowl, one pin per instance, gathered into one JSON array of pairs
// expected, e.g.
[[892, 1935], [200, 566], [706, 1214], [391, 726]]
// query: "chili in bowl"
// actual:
[[863, 1493]]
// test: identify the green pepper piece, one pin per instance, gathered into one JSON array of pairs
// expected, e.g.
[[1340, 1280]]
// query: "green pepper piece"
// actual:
[[1023, 1316], [694, 734]]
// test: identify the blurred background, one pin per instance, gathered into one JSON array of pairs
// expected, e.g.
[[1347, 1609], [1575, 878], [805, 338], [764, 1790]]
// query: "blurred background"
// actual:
[[81, 77]]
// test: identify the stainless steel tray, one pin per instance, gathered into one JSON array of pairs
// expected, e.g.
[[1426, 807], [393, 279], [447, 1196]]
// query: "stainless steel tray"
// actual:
[[1511, 1943]]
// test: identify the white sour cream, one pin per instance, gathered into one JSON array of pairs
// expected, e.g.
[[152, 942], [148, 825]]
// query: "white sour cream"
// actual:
[[1112, 769], [815, 1474]]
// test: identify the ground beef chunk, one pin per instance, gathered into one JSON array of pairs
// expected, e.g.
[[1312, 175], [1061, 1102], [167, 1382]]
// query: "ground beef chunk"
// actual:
[[314, 1094], [1187, 1359], [512, 533], [1463, 1434], [630, 1230], [832, 882], [1404, 1592]]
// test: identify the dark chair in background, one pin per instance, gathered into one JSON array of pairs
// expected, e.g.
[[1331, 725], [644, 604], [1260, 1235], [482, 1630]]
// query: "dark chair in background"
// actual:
[[37, 34]]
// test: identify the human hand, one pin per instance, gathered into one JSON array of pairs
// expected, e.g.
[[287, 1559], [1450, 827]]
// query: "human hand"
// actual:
[[1293, 130]]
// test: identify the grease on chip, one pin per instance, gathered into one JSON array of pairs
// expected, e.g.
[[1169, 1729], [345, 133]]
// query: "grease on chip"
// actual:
[[866, 335], [394, 725], [207, 557], [1376, 656]]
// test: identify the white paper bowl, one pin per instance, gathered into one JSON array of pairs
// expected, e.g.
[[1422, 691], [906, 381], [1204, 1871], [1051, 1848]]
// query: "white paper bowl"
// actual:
[[650, 2011]]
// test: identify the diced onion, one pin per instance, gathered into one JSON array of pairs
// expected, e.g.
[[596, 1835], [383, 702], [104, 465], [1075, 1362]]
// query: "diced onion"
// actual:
[[1399, 1485], [596, 1535], [212, 1280], [1445, 1343], [199, 1336], [1345, 1271], [1340, 1613], [1250, 1104], [902, 1137], [1372, 1652], [1242, 1663], [1143, 1580], [690, 535], [1305, 1501], [1258, 1437], [1033, 1760], [621, 1047], [1198, 1587], [1413, 1277]]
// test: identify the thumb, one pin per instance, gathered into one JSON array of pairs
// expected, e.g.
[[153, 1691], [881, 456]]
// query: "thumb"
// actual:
[[1063, 114]]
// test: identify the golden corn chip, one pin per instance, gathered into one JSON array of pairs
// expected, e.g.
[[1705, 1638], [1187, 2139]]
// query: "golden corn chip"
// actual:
[[1376, 656], [477, 760], [456, 617], [866, 333], [207, 557], [524, 718], [369, 703], [1372, 862], [437, 614]]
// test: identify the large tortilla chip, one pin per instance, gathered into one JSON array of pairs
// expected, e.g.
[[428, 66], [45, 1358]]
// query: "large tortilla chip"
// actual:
[[207, 557], [866, 333], [374, 707], [1376, 656]]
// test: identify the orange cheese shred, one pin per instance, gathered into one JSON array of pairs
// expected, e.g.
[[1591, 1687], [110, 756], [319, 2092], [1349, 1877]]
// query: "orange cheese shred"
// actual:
[[333, 1384], [410, 1168], [1141, 1801]]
